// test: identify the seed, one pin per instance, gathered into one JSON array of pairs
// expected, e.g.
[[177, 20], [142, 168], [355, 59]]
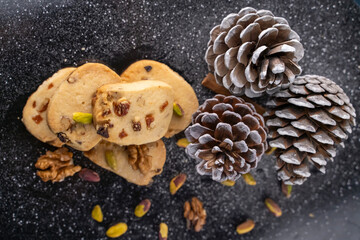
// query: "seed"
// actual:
[[110, 159], [80, 117], [286, 189], [117, 230], [228, 183], [273, 207], [97, 214], [163, 231], [182, 142], [89, 175], [249, 179], [142, 208], [245, 227], [177, 182], [178, 109]]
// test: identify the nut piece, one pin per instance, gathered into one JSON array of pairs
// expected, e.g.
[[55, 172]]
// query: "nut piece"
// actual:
[[44, 105], [182, 142], [37, 119], [139, 158], [142, 208], [97, 214], [178, 109], [110, 159], [149, 119], [56, 166], [123, 134], [136, 126], [163, 231], [249, 179], [286, 189], [121, 108], [117, 230], [228, 183], [245, 227], [163, 106], [80, 117], [177, 182], [89, 175], [195, 214], [273, 207]]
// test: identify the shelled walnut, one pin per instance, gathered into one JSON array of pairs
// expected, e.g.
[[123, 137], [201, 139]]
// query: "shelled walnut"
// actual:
[[56, 166], [195, 214], [139, 158]]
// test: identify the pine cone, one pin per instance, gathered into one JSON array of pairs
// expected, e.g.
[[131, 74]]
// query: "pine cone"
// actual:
[[309, 118], [228, 137], [253, 51]]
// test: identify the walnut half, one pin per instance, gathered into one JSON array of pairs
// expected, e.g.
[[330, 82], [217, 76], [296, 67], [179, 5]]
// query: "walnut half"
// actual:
[[139, 158], [56, 166]]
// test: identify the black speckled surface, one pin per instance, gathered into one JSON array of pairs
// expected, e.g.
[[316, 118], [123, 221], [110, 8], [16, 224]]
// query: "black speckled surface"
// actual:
[[39, 37]]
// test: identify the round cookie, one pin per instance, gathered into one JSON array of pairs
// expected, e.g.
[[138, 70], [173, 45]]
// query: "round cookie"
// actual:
[[123, 168], [184, 94], [133, 113], [35, 110], [75, 95]]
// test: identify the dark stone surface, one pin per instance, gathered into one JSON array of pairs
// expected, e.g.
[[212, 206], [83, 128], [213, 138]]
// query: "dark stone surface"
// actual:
[[39, 37]]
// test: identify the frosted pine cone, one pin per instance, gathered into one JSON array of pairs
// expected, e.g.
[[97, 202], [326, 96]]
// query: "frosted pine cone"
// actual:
[[308, 120], [253, 51], [227, 137]]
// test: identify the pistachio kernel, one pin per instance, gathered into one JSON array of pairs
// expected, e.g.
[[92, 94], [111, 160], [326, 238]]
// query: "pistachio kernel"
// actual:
[[178, 109], [177, 182], [228, 183], [286, 189], [273, 207], [80, 117], [110, 159], [142, 208], [97, 214], [249, 179], [245, 227], [182, 142], [117, 230], [163, 231]]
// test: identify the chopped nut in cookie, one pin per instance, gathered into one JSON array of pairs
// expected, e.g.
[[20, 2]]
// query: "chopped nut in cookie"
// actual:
[[163, 106], [121, 107], [56, 166], [149, 119], [136, 126], [37, 119], [123, 134]]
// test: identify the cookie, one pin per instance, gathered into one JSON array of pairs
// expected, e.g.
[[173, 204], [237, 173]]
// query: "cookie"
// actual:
[[122, 166], [184, 94], [74, 96], [133, 113], [35, 110]]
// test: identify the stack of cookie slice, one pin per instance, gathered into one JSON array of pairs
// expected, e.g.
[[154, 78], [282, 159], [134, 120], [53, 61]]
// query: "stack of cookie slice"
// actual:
[[118, 121]]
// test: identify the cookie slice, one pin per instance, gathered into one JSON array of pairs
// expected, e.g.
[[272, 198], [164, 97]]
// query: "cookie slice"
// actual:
[[121, 163], [74, 96], [133, 113], [35, 110], [184, 93]]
